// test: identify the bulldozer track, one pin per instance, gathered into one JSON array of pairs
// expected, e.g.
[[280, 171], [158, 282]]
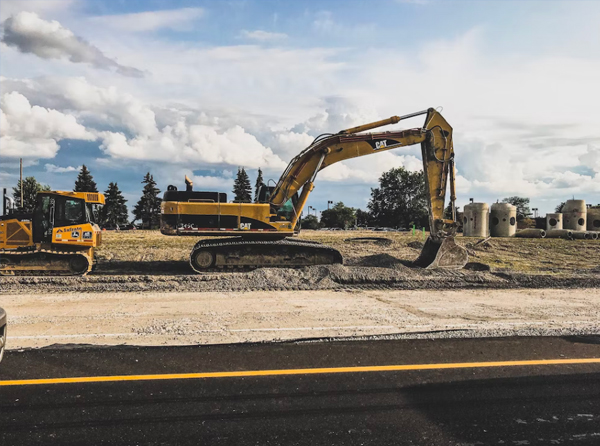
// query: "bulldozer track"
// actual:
[[219, 249], [8, 255]]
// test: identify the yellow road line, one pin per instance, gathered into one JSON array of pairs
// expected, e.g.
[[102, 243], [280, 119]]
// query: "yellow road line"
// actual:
[[314, 371]]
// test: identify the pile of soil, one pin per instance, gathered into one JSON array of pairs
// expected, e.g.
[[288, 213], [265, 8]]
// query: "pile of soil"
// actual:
[[373, 271]]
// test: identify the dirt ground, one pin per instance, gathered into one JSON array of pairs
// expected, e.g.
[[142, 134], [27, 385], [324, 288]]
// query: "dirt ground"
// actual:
[[543, 256], [143, 292], [152, 318], [137, 261]]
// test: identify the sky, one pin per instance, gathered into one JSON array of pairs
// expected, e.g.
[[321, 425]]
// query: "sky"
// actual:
[[201, 88]]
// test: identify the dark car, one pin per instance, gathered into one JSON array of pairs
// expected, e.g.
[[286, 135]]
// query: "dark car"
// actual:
[[2, 332]]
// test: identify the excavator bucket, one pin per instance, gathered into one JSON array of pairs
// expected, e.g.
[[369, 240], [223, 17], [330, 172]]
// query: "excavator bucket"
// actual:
[[443, 253]]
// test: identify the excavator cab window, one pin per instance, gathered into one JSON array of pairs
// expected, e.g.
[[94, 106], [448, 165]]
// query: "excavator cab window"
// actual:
[[287, 211], [264, 193]]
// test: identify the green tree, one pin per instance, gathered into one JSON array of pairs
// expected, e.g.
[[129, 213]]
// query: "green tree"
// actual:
[[338, 216], [242, 189], [259, 183], [522, 205], [363, 218], [114, 212], [310, 222], [400, 199], [448, 211], [148, 208], [85, 181], [30, 189]]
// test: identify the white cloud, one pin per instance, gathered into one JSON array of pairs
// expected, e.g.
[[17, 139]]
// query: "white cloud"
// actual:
[[93, 105], [52, 168], [520, 124], [29, 33], [194, 144], [591, 158], [33, 132], [262, 36], [42, 7], [174, 19]]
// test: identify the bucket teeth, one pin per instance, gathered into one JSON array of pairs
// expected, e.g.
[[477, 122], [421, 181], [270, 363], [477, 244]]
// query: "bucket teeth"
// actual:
[[444, 253]]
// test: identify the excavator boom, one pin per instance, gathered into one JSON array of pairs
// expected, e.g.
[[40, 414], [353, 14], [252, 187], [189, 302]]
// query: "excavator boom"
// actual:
[[437, 150]]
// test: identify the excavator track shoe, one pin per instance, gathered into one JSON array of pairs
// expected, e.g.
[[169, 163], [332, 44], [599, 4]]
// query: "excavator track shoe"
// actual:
[[445, 254], [239, 254]]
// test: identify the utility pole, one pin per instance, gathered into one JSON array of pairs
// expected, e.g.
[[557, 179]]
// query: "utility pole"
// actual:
[[21, 180]]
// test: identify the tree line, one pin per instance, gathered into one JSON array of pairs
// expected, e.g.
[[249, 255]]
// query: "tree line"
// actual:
[[400, 201], [114, 213]]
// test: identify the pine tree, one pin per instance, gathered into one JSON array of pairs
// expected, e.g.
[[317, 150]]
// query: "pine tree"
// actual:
[[30, 189], [114, 211], [148, 208], [242, 189], [85, 181], [257, 186]]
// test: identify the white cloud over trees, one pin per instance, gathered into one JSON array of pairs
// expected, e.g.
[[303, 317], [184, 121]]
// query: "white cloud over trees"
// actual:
[[524, 124], [33, 132]]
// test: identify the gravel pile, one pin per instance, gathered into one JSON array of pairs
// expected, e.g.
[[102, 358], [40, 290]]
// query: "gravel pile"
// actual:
[[377, 271]]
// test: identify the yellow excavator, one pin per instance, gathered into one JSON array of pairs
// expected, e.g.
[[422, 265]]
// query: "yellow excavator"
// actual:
[[260, 234], [58, 238]]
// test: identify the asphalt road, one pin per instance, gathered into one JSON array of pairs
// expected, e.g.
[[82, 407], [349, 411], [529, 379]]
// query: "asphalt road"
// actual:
[[527, 404]]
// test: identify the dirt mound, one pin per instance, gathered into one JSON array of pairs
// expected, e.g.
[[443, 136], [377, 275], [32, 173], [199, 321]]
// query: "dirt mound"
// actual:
[[416, 245], [384, 261], [376, 240]]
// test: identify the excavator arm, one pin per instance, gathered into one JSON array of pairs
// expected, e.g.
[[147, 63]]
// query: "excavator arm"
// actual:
[[437, 150]]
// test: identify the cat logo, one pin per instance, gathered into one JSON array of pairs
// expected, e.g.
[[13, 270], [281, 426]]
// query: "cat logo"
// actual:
[[380, 144], [245, 226]]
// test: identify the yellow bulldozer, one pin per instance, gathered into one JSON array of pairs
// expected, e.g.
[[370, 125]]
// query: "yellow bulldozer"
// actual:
[[57, 238], [261, 234]]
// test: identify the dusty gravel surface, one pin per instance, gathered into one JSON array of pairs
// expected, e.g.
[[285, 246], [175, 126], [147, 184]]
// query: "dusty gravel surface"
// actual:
[[148, 261], [154, 318], [334, 277]]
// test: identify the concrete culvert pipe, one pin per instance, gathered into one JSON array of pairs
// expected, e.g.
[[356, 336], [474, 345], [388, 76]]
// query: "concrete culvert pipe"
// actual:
[[593, 234], [554, 221], [574, 215], [581, 235], [503, 220], [593, 219], [560, 233], [476, 220], [531, 233]]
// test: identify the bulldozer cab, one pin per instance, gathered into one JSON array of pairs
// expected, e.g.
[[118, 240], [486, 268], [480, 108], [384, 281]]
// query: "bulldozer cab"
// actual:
[[54, 210]]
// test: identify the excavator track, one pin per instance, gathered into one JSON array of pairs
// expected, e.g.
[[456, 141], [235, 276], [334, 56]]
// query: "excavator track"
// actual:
[[239, 254], [44, 262]]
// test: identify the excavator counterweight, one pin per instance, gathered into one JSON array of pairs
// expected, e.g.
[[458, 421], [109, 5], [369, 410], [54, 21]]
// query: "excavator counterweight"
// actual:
[[263, 229]]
